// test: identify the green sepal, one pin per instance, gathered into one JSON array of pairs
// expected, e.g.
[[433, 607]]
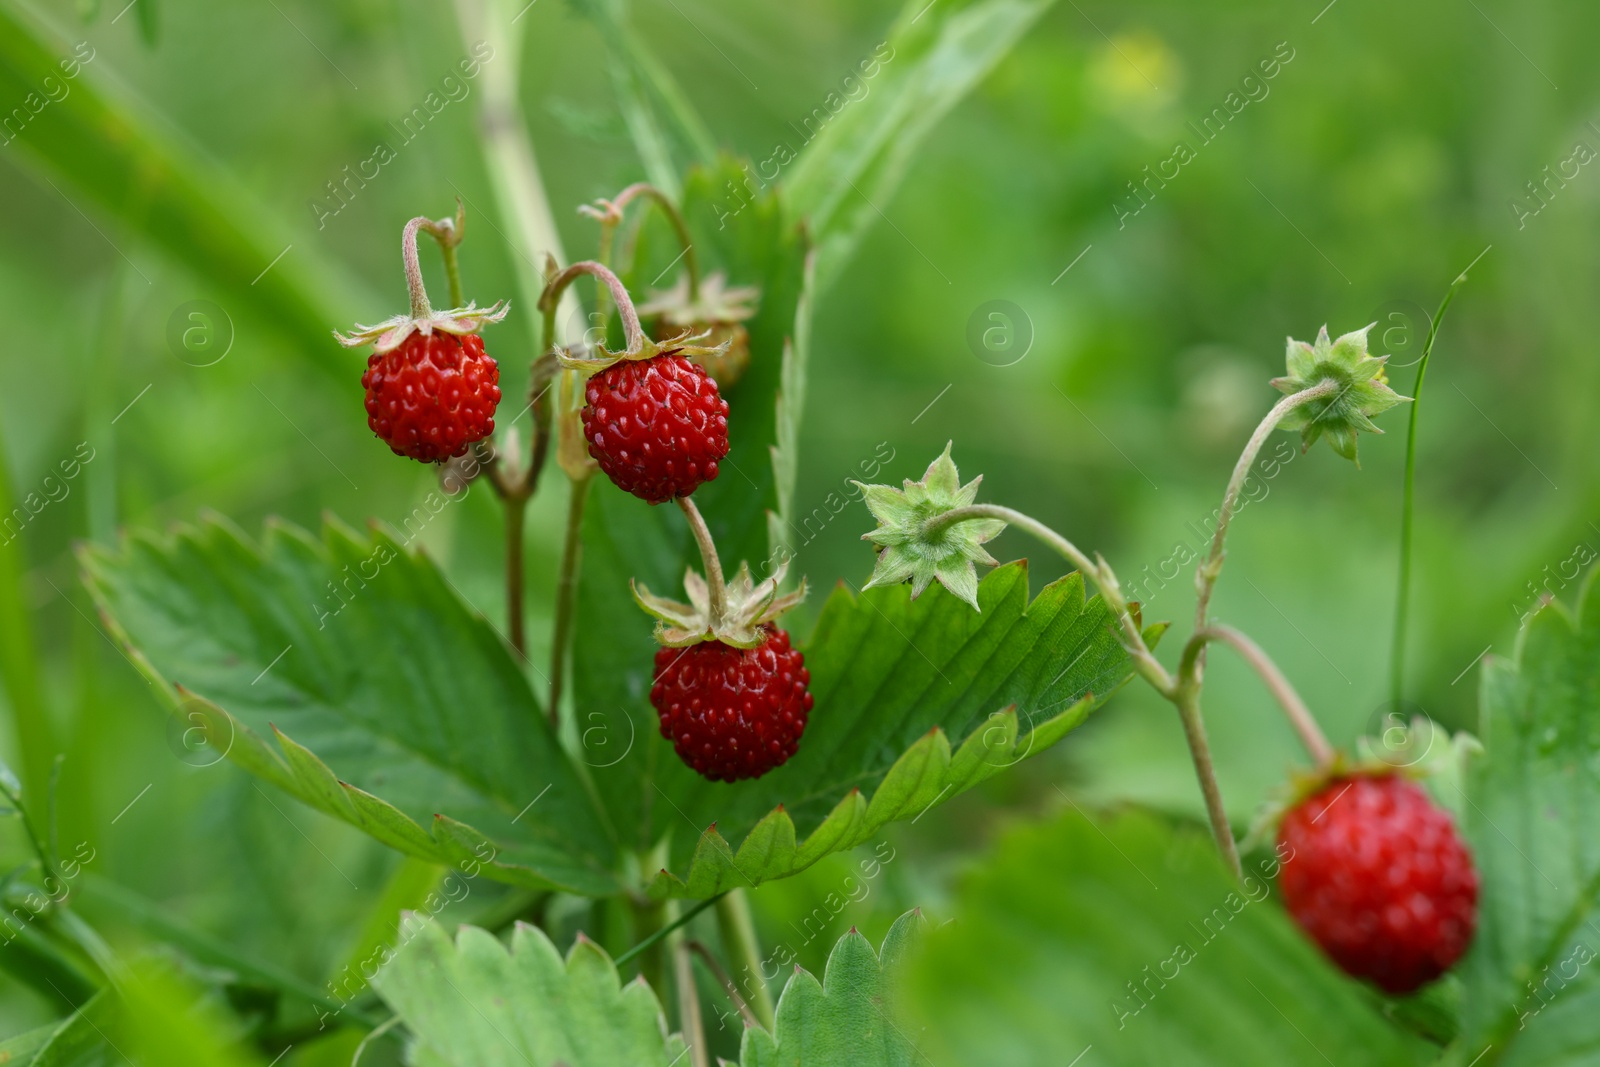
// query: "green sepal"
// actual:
[[906, 552], [1363, 390]]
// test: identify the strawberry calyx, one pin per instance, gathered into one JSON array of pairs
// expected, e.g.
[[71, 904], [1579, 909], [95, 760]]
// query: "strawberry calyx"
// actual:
[[748, 608], [715, 302], [598, 357], [593, 359], [1420, 750], [390, 334]]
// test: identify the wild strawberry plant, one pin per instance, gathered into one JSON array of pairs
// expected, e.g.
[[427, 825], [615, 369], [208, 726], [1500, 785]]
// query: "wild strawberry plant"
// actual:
[[672, 754]]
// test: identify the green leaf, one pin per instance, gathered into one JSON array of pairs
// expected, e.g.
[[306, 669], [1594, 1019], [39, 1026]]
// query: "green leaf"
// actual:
[[916, 702], [1129, 939], [1531, 986], [847, 174], [359, 649], [106, 156], [472, 1002], [850, 1016]]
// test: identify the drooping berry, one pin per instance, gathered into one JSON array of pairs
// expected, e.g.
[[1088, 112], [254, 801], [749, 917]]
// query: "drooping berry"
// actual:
[[1377, 874], [733, 713], [432, 395], [657, 427]]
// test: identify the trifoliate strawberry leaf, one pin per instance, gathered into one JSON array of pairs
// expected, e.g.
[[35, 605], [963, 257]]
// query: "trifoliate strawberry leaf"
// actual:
[[851, 1016], [1118, 942], [395, 706], [1362, 390], [907, 552], [474, 1002], [915, 702], [1531, 980]]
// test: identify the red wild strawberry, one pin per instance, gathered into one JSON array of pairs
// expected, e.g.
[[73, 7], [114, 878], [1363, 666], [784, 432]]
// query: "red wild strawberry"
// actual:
[[431, 388], [658, 427], [1378, 876], [433, 395], [730, 712]]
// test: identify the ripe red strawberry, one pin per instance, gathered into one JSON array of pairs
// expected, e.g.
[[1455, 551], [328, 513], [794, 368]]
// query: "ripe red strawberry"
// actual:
[[733, 713], [432, 395], [1378, 876], [658, 427]]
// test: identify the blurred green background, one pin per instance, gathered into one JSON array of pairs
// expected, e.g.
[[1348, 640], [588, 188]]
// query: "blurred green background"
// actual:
[[1394, 146]]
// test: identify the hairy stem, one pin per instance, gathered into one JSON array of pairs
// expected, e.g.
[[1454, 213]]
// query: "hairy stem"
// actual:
[[691, 262], [720, 973], [1144, 662], [632, 331], [420, 308], [708, 554], [1402, 603], [1299, 716], [1186, 697], [744, 956], [567, 594], [1205, 578], [448, 233], [1187, 700]]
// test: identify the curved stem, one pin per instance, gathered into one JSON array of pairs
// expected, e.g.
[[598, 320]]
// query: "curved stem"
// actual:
[[1186, 697], [1194, 731], [377, 1032], [420, 308], [566, 595], [632, 331], [691, 262], [1146, 663], [448, 233], [708, 554], [1402, 605], [720, 973], [1299, 716], [1206, 577]]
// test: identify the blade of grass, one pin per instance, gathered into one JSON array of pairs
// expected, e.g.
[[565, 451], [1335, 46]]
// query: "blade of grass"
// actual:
[[1402, 605]]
